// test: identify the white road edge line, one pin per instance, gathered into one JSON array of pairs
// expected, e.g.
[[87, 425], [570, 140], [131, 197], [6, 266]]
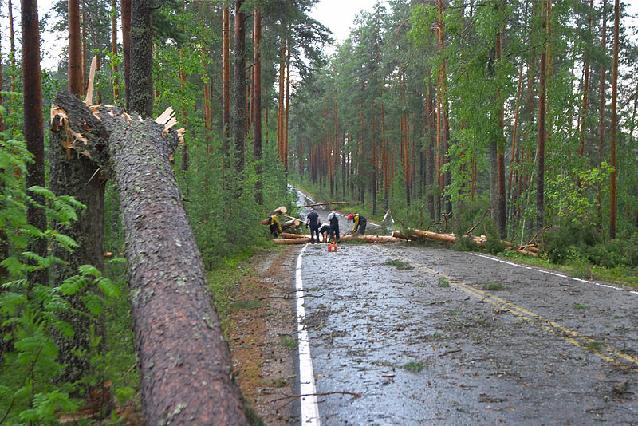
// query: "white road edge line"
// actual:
[[309, 407], [553, 273]]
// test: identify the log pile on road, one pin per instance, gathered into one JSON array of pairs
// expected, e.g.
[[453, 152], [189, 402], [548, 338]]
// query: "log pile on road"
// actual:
[[288, 239]]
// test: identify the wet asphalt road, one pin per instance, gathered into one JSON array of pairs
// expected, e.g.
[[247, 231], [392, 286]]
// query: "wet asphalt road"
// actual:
[[455, 338]]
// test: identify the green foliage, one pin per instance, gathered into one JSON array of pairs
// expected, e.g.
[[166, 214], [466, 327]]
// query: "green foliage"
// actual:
[[465, 243], [399, 264], [32, 315]]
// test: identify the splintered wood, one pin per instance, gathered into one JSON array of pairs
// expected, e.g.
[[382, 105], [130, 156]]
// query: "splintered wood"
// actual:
[[88, 101]]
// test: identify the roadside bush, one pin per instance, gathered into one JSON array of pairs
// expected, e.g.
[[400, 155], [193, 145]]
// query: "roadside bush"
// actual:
[[465, 243], [614, 253], [564, 241], [580, 243], [494, 245]]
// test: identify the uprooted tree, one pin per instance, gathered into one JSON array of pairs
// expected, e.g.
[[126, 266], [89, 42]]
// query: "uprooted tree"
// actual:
[[184, 361]]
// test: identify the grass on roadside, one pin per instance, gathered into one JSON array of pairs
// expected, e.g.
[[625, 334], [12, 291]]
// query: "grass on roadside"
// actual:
[[221, 282], [618, 275], [414, 366], [444, 282], [289, 342], [493, 286]]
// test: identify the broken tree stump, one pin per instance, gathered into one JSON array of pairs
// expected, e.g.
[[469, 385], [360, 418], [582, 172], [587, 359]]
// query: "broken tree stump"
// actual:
[[184, 361]]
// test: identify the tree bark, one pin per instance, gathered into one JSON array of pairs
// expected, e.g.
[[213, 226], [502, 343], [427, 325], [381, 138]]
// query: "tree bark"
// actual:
[[141, 72], [287, 107], [125, 11], [601, 111], [501, 197], [226, 80], [542, 93], [114, 70], [80, 177], [280, 103], [257, 133], [586, 77], [33, 126], [614, 124], [76, 83], [12, 48], [185, 363], [239, 122]]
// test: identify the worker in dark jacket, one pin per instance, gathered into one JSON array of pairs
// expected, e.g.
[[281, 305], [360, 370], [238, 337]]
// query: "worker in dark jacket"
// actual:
[[312, 222], [359, 223], [333, 219]]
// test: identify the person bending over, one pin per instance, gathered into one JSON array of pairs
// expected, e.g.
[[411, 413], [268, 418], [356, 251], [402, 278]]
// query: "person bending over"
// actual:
[[359, 223], [325, 232]]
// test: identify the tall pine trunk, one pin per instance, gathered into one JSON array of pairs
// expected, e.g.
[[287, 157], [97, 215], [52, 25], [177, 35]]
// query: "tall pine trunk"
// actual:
[[125, 11], [12, 48], [33, 126], [501, 198], [257, 133], [287, 107], [226, 81], [141, 75], [114, 70], [76, 82], [542, 96], [601, 107], [239, 53], [280, 103], [586, 78], [614, 124]]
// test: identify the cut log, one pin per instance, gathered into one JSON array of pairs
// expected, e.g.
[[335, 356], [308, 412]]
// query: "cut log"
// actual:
[[291, 224], [282, 210], [184, 361], [289, 241], [289, 236], [446, 238]]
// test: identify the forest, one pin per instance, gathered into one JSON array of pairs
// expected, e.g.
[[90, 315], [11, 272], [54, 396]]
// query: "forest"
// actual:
[[136, 170]]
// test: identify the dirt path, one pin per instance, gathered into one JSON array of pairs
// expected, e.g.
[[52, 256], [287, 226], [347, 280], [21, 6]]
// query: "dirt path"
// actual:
[[263, 337], [437, 336]]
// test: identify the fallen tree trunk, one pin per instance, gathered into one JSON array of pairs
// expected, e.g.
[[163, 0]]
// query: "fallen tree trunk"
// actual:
[[416, 234], [290, 241], [184, 361], [303, 239], [289, 236]]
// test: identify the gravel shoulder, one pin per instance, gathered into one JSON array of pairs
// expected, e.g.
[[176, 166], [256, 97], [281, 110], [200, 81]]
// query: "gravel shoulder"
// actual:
[[262, 337]]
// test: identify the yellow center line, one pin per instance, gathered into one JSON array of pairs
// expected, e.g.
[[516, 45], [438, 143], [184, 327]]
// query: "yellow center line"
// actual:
[[604, 351]]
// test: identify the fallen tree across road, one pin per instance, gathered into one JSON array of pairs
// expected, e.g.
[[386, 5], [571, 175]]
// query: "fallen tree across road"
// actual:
[[416, 234]]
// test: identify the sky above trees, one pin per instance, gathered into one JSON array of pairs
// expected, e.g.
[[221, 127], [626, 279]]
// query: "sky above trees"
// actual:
[[337, 15]]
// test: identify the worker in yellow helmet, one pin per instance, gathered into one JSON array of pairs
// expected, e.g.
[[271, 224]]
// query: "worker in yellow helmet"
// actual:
[[275, 225], [359, 223]]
